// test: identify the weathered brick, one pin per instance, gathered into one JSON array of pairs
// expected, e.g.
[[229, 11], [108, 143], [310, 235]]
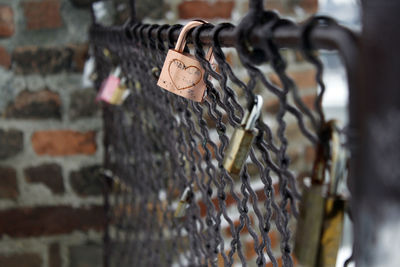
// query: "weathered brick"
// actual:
[[236, 223], [11, 143], [83, 104], [7, 26], [205, 10], [21, 260], [8, 183], [43, 104], [310, 6], [309, 154], [44, 60], [46, 221], [80, 54], [54, 255], [271, 105], [49, 174], [5, 58], [44, 14], [249, 250], [249, 246], [87, 181], [64, 142], [89, 255], [278, 5], [303, 78], [309, 101]]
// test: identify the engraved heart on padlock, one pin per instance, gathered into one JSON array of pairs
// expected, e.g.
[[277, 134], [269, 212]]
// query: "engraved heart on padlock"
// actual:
[[182, 76]]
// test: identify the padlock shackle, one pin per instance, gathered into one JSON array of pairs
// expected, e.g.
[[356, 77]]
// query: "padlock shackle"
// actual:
[[181, 42], [255, 113], [117, 71], [337, 158]]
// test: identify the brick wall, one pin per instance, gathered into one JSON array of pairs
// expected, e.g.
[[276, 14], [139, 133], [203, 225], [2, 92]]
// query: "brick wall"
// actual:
[[50, 137]]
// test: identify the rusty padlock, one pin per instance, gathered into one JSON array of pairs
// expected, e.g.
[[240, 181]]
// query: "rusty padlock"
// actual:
[[242, 139], [182, 73], [320, 224]]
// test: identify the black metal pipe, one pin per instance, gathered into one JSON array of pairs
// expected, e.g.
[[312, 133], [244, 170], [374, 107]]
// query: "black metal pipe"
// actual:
[[333, 37]]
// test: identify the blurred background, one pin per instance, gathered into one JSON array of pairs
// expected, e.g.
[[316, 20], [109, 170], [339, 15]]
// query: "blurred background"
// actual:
[[51, 205]]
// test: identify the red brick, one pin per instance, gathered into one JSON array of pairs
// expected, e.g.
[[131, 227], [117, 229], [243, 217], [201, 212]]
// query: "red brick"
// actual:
[[80, 54], [54, 255], [278, 5], [280, 262], [271, 105], [7, 27], [310, 6], [43, 104], [42, 15], [250, 253], [249, 246], [21, 260], [309, 101], [64, 142], [87, 181], [49, 174], [205, 10], [236, 224], [43, 60], [5, 58], [302, 78], [46, 221], [8, 183], [309, 154], [202, 151]]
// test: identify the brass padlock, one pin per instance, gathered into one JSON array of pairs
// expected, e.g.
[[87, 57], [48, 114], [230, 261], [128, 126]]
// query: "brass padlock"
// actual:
[[120, 93], [320, 224], [183, 203], [242, 139], [335, 202], [182, 73]]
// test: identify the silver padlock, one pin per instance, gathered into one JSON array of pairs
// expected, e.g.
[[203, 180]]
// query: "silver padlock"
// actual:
[[184, 202], [242, 139]]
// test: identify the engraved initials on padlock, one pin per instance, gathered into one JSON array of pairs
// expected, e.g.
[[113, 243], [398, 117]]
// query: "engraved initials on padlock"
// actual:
[[242, 139], [182, 73], [320, 224]]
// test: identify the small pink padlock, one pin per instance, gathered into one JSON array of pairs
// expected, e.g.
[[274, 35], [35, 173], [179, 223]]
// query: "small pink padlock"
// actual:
[[182, 73], [113, 89]]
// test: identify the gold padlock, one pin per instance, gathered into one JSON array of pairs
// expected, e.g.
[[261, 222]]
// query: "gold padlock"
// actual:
[[335, 202], [320, 224], [120, 93], [182, 73], [242, 139]]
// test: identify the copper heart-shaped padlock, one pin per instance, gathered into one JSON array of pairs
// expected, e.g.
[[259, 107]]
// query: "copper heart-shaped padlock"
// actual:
[[182, 73]]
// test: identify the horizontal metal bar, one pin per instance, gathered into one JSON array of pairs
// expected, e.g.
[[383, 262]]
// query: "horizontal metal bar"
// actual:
[[333, 37]]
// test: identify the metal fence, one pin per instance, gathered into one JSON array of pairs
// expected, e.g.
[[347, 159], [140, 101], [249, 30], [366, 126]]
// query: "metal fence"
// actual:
[[164, 154]]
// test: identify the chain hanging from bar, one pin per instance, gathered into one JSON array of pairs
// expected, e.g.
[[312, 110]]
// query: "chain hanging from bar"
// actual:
[[159, 144]]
